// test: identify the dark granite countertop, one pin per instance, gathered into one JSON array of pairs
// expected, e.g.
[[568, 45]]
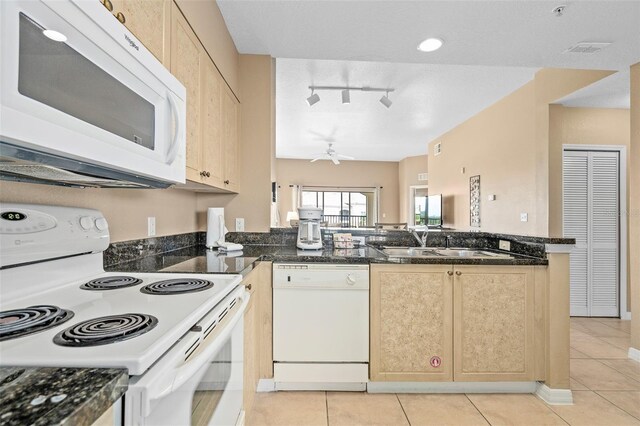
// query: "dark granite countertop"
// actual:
[[51, 396], [198, 259]]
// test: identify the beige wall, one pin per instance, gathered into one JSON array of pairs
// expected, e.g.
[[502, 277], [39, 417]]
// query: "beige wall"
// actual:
[[408, 170], [253, 203], [581, 126], [348, 173], [126, 210], [507, 144], [634, 207], [207, 22], [497, 144]]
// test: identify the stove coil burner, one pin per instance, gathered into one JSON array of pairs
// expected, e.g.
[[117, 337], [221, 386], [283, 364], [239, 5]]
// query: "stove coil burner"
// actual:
[[111, 283], [105, 330], [177, 286], [22, 322]]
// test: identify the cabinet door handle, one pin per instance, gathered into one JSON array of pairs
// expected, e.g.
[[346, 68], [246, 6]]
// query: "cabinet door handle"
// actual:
[[458, 273], [226, 182], [248, 286], [208, 174], [120, 17], [449, 273], [107, 4], [203, 173]]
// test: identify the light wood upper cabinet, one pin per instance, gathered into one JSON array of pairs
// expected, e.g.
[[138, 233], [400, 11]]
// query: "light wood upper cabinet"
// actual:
[[411, 323], [212, 134], [231, 125], [150, 22], [493, 323], [186, 56]]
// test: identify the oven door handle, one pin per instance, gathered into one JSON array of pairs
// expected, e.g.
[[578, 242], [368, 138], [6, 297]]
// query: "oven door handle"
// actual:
[[172, 153], [208, 348]]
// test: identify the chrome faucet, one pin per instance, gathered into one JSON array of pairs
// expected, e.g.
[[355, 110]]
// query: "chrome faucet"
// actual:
[[421, 240]]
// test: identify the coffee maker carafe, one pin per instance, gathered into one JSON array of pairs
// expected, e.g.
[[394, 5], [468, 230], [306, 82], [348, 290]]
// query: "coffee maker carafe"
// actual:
[[309, 237]]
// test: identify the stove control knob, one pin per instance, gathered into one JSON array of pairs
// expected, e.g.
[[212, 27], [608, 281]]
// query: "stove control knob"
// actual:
[[101, 224], [86, 223], [351, 279]]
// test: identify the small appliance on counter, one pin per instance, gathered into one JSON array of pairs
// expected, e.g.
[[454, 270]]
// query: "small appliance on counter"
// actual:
[[216, 231], [309, 237]]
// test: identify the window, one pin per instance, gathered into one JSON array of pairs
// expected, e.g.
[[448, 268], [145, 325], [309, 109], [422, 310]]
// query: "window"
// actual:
[[342, 207]]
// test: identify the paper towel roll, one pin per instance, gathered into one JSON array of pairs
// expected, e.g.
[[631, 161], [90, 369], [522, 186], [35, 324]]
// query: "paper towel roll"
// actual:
[[215, 226]]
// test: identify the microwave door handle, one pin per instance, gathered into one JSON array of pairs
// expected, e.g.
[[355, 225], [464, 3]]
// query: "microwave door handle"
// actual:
[[175, 141], [183, 373]]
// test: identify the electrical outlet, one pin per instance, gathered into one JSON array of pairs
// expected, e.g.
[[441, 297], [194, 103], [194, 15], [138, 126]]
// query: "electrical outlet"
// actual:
[[504, 245], [384, 215], [239, 224], [524, 217], [151, 226]]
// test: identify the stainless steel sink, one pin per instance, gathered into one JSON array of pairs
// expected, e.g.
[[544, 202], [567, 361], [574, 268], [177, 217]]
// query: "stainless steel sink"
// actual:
[[440, 252], [409, 252]]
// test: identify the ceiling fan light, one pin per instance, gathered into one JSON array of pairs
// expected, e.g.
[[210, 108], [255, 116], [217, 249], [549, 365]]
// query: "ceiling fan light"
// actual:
[[313, 99], [386, 101], [346, 97]]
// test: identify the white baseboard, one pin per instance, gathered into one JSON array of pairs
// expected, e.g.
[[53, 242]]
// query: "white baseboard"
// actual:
[[625, 315], [554, 396], [266, 385], [241, 418], [321, 386], [634, 354], [452, 387]]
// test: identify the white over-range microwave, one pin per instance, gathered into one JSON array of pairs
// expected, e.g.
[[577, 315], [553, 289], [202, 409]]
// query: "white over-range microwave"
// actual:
[[83, 102]]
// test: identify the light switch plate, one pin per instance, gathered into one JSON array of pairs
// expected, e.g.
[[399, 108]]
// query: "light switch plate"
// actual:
[[504, 245], [239, 224], [151, 226], [524, 217]]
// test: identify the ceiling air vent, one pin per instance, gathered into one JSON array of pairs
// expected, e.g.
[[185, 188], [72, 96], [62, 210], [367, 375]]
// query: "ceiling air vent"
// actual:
[[437, 148], [587, 47], [423, 176]]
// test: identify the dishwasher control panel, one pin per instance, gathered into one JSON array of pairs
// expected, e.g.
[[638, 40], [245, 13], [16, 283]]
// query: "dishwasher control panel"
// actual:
[[320, 275]]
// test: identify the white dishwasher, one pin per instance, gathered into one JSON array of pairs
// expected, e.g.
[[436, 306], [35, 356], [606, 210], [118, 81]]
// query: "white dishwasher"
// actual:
[[320, 326]]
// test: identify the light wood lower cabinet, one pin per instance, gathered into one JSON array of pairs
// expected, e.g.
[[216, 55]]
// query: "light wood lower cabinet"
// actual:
[[257, 343], [411, 329], [493, 323], [479, 321]]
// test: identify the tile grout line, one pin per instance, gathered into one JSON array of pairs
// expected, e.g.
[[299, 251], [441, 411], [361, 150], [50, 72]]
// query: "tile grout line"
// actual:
[[404, 412], [614, 404], [477, 409], [604, 323], [616, 370], [326, 405]]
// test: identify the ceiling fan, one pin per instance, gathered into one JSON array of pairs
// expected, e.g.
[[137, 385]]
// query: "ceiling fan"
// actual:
[[331, 154]]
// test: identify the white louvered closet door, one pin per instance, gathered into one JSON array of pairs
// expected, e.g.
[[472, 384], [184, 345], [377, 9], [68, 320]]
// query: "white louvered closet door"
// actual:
[[591, 216]]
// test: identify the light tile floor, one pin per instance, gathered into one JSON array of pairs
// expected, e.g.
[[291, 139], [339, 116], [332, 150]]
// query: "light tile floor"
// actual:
[[605, 382]]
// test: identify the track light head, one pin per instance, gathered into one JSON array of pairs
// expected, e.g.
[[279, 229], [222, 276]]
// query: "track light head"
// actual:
[[346, 96], [313, 99], [386, 101]]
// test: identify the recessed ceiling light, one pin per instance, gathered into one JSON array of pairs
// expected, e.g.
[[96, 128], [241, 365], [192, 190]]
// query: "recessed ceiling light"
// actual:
[[55, 36], [430, 45]]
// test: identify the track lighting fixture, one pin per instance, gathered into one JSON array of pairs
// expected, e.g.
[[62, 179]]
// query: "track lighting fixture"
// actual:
[[313, 99], [386, 101], [346, 97], [346, 93]]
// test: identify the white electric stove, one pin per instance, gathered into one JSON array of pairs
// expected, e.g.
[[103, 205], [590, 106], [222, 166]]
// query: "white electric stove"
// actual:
[[179, 335]]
